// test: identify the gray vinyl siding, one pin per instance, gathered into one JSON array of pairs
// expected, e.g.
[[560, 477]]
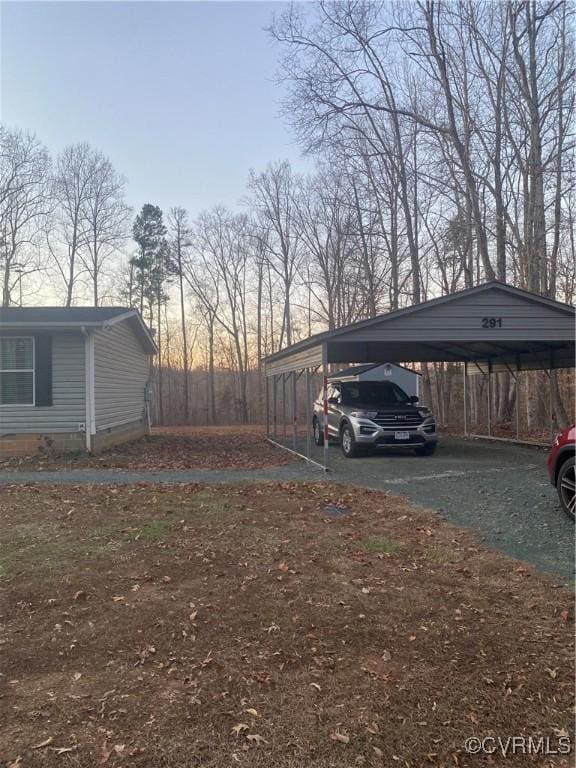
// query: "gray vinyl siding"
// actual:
[[121, 370], [68, 410]]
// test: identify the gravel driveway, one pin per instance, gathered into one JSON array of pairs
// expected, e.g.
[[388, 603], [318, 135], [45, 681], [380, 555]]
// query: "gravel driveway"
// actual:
[[500, 490]]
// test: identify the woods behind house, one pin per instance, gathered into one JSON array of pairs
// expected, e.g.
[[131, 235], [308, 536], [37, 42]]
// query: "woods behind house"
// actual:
[[442, 143]]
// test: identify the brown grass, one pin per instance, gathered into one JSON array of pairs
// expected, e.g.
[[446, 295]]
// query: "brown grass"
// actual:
[[180, 626], [170, 448]]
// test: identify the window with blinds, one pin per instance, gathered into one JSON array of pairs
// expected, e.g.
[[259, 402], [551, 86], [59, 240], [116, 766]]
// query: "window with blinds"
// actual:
[[16, 370]]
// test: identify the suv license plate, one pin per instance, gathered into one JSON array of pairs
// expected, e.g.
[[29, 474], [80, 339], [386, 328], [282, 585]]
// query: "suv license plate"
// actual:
[[401, 435]]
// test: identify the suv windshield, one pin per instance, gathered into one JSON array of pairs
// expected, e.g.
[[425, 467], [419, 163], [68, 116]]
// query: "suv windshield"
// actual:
[[373, 393]]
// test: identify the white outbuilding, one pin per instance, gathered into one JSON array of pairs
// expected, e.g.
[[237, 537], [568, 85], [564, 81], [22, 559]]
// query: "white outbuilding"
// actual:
[[406, 378]]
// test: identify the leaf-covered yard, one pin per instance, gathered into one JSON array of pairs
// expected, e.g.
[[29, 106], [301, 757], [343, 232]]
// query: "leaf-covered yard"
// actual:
[[168, 448], [270, 625]]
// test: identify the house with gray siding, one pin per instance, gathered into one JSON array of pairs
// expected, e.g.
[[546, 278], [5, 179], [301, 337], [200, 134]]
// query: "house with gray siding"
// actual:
[[75, 378]]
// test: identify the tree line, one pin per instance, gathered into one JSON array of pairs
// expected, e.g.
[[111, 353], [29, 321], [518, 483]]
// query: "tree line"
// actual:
[[442, 141]]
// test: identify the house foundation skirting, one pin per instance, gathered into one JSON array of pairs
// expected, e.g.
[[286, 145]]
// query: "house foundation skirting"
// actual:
[[34, 443], [120, 434], [31, 444]]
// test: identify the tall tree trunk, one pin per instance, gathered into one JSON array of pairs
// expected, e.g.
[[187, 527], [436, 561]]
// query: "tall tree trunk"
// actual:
[[259, 293], [211, 374], [160, 367], [186, 372]]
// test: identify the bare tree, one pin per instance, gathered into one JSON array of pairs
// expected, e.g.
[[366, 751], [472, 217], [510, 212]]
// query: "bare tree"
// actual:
[[326, 224], [24, 205], [104, 218], [273, 200], [72, 188], [222, 245], [180, 242]]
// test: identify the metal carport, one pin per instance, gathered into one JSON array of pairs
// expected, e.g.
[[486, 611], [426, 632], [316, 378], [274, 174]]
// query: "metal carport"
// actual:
[[493, 327]]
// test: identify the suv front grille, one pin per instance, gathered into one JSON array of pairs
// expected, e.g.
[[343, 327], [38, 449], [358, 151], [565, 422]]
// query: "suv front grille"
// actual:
[[398, 420]]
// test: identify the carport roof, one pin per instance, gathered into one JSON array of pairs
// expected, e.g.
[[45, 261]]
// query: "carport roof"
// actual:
[[493, 322]]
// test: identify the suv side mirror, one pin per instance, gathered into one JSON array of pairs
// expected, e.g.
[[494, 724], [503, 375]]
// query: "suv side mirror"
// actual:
[[413, 399], [333, 400]]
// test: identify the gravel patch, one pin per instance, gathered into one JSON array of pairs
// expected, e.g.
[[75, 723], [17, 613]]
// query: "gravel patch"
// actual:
[[288, 472], [501, 491]]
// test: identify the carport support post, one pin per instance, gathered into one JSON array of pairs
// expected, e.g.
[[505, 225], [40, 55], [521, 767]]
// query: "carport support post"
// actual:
[[553, 382], [294, 410], [308, 396], [275, 405], [489, 398], [284, 403], [517, 380], [551, 399], [466, 398], [267, 404], [325, 405]]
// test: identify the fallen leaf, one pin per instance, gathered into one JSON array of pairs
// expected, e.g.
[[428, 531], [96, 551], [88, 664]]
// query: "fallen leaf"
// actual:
[[315, 685], [238, 729], [377, 751], [252, 712], [105, 753], [341, 737], [15, 763], [255, 738], [44, 743], [386, 656]]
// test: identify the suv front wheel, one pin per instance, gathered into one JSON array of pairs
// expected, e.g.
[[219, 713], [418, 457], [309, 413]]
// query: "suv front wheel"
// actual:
[[347, 442]]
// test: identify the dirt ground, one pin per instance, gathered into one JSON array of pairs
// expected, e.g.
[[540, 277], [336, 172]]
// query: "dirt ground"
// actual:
[[278, 626], [171, 448]]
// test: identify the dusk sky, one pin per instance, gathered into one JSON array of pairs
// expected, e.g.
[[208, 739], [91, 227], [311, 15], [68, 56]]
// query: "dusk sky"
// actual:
[[180, 95]]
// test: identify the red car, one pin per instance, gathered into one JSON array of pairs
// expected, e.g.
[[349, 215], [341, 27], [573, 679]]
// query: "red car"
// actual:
[[561, 468]]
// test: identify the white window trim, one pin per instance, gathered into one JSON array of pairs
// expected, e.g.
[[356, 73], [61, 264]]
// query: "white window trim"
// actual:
[[22, 370]]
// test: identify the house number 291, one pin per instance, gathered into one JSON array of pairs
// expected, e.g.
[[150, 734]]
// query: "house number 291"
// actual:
[[491, 322]]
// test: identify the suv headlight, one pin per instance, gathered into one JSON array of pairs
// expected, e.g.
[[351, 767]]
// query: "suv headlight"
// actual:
[[364, 414], [424, 412]]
